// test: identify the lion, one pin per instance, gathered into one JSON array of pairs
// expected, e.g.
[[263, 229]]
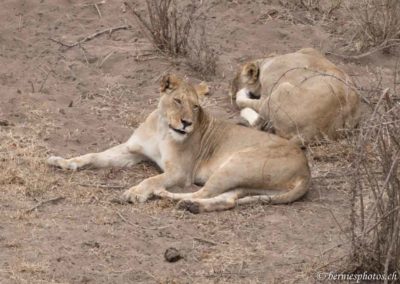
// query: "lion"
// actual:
[[300, 96], [232, 164]]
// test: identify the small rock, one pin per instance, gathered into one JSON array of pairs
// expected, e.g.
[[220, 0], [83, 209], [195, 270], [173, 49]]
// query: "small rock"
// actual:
[[91, 244], [172, 255], [4, 123], [85, 279], [118, 201]]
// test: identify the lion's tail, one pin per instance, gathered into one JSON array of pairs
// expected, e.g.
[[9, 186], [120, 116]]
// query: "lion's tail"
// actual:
[[301, 187]]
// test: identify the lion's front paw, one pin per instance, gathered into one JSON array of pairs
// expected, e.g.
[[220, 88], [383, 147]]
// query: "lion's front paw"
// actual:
[[62, 163], [135, 194], [192, 206]]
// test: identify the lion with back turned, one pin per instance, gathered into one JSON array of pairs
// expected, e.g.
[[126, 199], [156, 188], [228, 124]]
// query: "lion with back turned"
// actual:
[[300, 96]]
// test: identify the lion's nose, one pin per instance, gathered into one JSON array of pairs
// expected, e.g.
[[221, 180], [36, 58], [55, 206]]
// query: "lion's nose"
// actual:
[[186, 123]]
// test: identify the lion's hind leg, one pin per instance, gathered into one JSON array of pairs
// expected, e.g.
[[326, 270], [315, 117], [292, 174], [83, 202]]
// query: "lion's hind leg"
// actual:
[[224, 201], [228, 200], [254, 174], [241, 196], [224, 179]]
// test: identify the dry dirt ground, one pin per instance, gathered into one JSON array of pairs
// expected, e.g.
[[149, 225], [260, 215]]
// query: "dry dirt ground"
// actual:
[[69, 101]]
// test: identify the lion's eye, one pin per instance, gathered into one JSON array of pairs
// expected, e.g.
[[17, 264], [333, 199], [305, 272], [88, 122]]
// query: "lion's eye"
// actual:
[[178, 101], [195, 107]]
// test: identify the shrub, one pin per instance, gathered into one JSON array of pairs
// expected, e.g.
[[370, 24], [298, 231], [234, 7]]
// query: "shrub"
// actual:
[[374, 23], [167, 28], [202, 58], [375, 203], [172, 30]]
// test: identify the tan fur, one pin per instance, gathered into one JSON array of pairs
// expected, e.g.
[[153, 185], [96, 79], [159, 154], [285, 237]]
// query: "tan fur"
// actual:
[[304, 96], [230, 161]]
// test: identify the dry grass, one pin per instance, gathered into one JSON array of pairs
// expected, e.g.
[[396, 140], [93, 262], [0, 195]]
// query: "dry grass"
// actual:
[[371, 25], [25, 176], [202, 58], [22, 167], [374, 23], [167, 26], [375, 203], [326, 7], [175, 31], [322, 7]]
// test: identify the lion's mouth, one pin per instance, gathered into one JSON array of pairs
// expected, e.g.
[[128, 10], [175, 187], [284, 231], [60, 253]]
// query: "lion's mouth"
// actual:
[[182, 132]]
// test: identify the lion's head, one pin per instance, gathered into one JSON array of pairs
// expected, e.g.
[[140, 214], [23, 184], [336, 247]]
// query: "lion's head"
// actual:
[[247, 80], [180, 105]]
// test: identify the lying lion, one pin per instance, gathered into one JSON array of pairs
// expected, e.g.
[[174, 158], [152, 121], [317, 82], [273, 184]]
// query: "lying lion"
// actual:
[[234, 164], [304, 96]]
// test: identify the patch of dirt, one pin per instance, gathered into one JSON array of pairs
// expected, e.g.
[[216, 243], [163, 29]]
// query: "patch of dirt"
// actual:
[[70, 101]]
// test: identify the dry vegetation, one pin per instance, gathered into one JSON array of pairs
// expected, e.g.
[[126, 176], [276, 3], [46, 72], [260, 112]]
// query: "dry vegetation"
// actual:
[[202, 58], [167, 27], [375, 208], [326, 7], [226, 246], [175, 30], [22, 168], [374, 23], [371, 25], [317, 9]]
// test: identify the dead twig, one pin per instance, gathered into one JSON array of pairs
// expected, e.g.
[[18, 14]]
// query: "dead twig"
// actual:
[[103, 186], [127, 221], [45, 202], [44, 81], [84, 54], [91, 4], [90, 37], [331, 262], [205, 241], [97, 9], [105, 58], [20, 23], [32, 86], [337, 222], [95, 5]]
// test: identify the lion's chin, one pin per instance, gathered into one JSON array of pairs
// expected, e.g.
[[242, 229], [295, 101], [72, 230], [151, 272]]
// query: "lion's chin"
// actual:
[[178, 134]]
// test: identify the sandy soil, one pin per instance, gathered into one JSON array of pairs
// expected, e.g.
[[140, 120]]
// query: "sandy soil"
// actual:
[[69, 101]]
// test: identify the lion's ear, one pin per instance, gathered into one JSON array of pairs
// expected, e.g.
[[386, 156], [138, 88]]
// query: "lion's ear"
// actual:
[[169, 82], [250, 71], [202, 89]]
